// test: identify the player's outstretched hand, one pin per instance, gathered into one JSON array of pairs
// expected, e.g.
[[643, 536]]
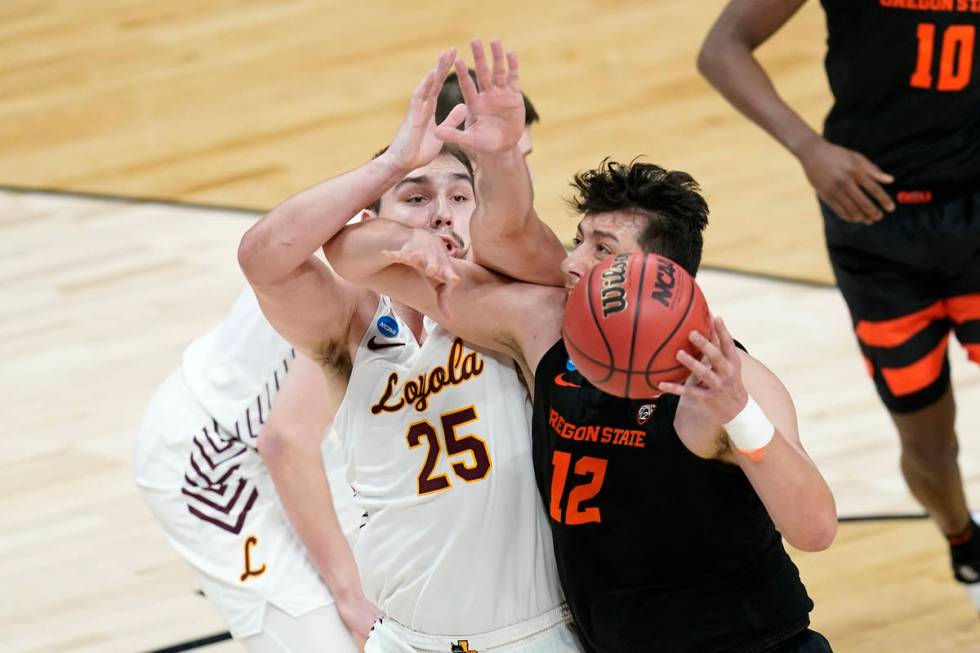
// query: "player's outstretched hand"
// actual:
[[716, 379], [359, 615], [431, 254], [494, 112], [847, 181], [415, 144]]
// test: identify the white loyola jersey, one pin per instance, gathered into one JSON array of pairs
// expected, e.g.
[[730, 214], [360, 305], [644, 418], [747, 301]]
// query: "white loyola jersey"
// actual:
[[438, 447], [235, 369]]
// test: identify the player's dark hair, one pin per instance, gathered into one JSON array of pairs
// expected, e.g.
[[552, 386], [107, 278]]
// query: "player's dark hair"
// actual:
[[448, 149], [676, 213], [450, 96]]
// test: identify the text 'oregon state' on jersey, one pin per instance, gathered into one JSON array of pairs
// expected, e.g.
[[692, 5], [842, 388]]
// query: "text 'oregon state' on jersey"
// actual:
[[904, 74], [657, 549], [438, 450]]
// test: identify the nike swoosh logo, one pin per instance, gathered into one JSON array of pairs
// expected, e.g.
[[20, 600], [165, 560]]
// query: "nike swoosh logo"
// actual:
[[378, 346], [560, 380]]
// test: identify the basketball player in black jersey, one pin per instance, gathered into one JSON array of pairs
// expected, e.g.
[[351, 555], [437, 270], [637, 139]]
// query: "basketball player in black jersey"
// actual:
[[897, 171], [667, 538]]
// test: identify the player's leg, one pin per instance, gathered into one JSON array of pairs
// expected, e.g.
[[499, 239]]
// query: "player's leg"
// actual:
[[903, 333], [891, 277], [963, 307], [317, 631], [930, 452]]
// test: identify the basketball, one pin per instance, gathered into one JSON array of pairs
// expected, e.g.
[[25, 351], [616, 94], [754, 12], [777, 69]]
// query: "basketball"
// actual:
[[628, 318]]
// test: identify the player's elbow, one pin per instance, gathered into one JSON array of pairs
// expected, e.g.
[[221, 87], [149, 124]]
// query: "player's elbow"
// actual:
[[251, 254], [817, 533], [711, 58], [279, 442]]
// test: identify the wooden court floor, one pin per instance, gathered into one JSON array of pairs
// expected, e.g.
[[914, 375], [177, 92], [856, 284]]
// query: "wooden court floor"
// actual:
[[240, 103]]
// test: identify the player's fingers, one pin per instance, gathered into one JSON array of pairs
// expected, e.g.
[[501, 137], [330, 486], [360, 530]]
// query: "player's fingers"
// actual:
[[394, 256], [513, 77], [466, 85], [862, 201], [705, 375], [445, 62], [499, 63], [712, 353], [455, 118], [872, 188], [876, 172], [673, 388], [846, 209], [422, 89], [728, 347], [483, 78]]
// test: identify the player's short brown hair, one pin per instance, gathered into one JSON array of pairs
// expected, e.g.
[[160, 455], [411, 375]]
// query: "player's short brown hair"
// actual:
[[670, 200]]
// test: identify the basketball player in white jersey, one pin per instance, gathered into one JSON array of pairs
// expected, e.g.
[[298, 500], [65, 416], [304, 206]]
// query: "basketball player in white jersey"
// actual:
[[239, 391], [454, 548], [223, 373]]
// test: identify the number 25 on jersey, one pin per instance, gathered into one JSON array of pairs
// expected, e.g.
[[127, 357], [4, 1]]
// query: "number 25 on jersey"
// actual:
[[458, 448]]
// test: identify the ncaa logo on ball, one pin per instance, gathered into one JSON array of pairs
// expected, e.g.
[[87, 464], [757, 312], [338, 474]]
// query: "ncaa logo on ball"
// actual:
[[663, 289], [613, 295], [388, 326]]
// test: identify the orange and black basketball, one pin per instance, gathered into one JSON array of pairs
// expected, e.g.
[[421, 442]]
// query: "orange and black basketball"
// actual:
[[628, 318]]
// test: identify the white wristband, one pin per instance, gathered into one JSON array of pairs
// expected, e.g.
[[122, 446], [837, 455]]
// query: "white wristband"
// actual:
[[750, 430]]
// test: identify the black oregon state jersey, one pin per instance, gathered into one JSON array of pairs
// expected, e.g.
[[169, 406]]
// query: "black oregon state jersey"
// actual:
[[905, 75], [657, 549]]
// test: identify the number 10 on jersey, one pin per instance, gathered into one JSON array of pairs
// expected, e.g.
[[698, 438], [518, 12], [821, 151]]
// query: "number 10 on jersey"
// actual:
[[955, 57]]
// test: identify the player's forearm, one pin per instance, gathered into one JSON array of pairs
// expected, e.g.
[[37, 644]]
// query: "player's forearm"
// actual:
[[301, 482], [356, 252], [294, 230], [727, 62], [506, 232], [796, 495]]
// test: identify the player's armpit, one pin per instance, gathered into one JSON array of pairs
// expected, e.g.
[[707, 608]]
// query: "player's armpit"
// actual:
[[312, 307]]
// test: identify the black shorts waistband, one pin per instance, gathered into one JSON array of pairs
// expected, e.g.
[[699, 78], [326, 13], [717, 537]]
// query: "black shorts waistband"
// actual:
[[912, 194]]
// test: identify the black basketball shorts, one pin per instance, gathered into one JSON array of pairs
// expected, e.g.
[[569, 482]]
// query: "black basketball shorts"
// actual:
[[909, 280]]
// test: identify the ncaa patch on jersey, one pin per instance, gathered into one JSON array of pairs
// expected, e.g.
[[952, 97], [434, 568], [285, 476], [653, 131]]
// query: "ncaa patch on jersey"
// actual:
[[644, 413], [388, 326], [569, 365]]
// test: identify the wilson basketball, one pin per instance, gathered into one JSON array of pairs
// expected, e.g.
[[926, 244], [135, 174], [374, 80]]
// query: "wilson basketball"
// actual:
[[628, 318]]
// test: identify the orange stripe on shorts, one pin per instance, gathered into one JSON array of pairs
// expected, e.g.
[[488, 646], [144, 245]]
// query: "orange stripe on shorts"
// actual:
[[912, 378], [963, 308], [894, 332]]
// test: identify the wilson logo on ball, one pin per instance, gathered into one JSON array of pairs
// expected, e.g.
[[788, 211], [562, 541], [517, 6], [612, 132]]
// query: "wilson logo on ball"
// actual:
[[613, 286], [663, 289]]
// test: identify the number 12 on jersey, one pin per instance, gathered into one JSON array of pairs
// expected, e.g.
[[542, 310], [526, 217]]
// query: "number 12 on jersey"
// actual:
[[574, 514]]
